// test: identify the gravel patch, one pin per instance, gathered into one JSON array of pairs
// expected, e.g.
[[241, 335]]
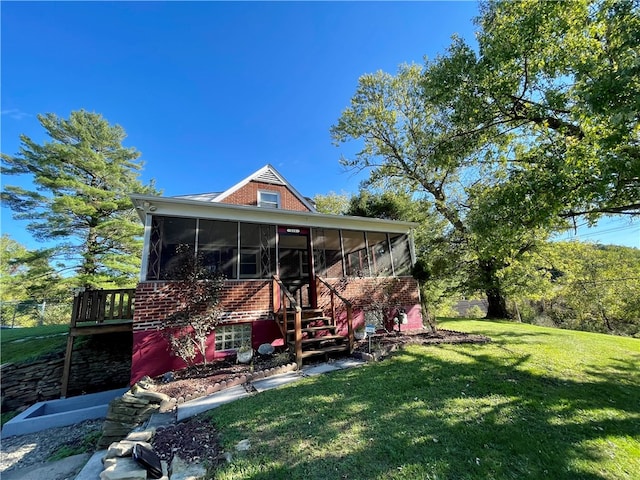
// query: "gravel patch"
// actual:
[[22, 451]]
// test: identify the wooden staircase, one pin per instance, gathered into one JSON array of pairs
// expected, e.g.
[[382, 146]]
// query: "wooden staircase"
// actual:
[[307, 331], [319, 337]]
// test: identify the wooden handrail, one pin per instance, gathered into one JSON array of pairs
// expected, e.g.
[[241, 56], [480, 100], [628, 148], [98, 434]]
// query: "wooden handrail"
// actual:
[[285, 298], [347, 304]]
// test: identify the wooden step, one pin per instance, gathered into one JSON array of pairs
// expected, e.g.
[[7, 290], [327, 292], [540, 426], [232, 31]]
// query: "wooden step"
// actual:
[[314, 329], [325, 351], [306, 321], [306, 313], [312, 312], [324, 338]]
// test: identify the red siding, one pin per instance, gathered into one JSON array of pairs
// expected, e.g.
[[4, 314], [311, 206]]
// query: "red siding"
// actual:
[[248, 195]]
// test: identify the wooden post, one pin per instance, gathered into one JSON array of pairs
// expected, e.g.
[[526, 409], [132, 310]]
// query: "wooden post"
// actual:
[[333, 309], [350, 327], [298, 329], [275, 297], [66, 371], [75, 312]]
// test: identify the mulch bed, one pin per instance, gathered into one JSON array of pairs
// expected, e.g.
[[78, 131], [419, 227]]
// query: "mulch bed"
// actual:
[[195, 440], [419, 337], [192, 382]]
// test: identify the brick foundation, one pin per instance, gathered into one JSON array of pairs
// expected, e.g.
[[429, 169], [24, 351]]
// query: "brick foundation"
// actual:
[[251, 301]]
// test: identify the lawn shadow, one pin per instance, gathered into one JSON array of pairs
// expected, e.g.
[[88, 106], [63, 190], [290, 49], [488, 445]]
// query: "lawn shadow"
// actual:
[[418, 416]]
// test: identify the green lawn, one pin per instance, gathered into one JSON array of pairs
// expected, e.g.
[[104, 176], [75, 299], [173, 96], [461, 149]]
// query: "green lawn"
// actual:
[[534, 403], [20, 344]]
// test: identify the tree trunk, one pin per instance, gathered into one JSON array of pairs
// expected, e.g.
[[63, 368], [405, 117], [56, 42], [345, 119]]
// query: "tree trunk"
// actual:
[[497, 304], [495, 298]]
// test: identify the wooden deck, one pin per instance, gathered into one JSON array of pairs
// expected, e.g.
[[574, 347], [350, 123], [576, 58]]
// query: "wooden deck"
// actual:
[[97, 312]]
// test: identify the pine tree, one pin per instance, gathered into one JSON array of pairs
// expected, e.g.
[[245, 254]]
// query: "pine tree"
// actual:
[[80, 203]]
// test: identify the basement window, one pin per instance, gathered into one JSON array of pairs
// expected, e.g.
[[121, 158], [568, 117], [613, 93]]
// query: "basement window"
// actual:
[[232, 337]]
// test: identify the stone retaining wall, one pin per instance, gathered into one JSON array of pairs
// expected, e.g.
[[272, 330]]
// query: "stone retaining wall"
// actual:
[[99, 362]]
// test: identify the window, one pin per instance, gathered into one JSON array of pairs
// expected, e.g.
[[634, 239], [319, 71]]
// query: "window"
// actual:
[[257, 250], [268, 199], [249, 263], [327, 252], [232, 337]]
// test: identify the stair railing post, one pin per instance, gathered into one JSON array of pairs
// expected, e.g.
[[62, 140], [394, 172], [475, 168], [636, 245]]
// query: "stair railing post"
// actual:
[[77, 306], [275, 297], [333, 309], [350, 327], [298, 333]]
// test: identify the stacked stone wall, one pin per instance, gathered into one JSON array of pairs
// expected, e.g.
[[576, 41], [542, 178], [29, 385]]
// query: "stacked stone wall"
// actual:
[[100, 362]]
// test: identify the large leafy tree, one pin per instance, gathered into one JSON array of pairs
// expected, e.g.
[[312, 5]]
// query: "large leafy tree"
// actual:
[[580, 286], [554, 91], [401, 135], [537, 125], [332, 203], [80, 203]]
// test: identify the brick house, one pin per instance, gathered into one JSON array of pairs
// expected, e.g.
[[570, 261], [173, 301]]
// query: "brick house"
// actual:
[[279, 256]]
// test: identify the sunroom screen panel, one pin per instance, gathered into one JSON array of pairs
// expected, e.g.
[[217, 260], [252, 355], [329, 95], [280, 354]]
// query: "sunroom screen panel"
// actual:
[[218, 246], [176, 231], [355, 254], [401, 255]]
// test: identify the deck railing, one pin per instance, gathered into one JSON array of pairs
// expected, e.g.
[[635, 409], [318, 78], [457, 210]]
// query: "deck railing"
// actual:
[[348, 306], [98, 306], [96, 312], [283, 304]]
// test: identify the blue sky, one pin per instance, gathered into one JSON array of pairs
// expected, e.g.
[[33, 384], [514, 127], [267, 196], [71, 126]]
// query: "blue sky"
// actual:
[[209, 92]]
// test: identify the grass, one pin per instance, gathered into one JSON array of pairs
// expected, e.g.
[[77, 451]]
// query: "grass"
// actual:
[[83, 445], [534, 403], [6, 416], [22, 344]]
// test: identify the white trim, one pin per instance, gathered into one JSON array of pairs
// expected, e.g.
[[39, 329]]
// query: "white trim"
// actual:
[[145, 247], [180, 207]]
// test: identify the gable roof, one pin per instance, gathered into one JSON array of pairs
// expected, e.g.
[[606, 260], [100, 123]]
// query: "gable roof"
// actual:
[[267, 174]]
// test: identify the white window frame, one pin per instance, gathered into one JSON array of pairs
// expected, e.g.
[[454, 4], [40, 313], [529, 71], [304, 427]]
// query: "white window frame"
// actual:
[[232, 336], [268, 203]]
